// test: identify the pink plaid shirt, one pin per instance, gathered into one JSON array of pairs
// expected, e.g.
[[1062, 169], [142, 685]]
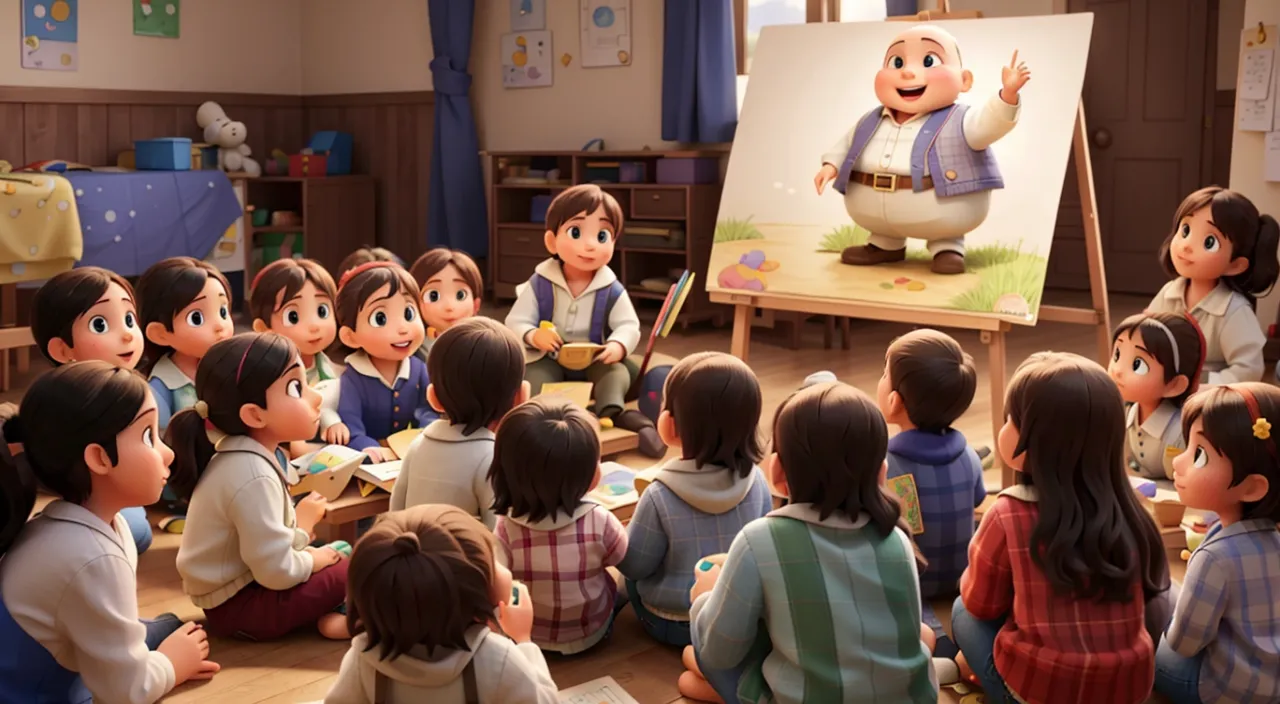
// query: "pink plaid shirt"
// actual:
[[1053, 649], [562, 560]]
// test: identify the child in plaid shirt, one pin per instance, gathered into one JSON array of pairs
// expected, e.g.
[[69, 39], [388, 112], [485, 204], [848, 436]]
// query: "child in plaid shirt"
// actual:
[[1051, 607], [546, 457], [697, 503], [1223, 644]]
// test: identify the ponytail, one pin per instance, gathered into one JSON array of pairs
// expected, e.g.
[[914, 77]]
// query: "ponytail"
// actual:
[[188, 437], [17, 485], [1264, 265]]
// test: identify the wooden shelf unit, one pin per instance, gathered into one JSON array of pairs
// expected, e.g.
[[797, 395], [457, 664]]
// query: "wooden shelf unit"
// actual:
[[337, 216], [516, 243]]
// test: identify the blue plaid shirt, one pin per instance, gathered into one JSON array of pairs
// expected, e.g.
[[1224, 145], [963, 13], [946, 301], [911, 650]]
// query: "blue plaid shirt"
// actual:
[[1229, 608], [948, 477]]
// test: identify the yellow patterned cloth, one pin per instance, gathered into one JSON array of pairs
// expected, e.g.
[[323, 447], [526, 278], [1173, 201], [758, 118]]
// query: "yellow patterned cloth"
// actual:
[[39, 227]]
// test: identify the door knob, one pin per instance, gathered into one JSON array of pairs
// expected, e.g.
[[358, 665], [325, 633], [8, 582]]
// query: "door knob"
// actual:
[[1101, 138]]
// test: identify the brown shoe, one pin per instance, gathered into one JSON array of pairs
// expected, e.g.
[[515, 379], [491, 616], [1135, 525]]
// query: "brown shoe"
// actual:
[[651, 444], [869, 254], [948, 263]]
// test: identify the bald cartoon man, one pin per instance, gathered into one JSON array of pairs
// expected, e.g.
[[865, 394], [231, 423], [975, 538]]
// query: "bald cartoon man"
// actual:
[[917, 166]]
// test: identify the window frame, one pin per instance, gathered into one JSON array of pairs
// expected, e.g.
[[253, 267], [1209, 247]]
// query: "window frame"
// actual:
[[815, 11]]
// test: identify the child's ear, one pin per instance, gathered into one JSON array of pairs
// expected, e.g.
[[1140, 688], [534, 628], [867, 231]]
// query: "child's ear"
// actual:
[[884, 472], [549, 239], [432, 399], [476, 300], [667, 429], [61, 351], [1179, 384], [523, 394], [97, 459], [896, 409], [253, 415], [259, 325], [1238, 266], [1252, 488], [348, 337], [966, 80], [158, 334], [777, 477]]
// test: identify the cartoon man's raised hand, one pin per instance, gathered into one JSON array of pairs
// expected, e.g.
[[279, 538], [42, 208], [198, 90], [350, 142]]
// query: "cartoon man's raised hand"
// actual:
[[1013, 77]]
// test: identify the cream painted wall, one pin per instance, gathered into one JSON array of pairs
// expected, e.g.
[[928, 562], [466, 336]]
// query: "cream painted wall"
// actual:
[[1246, 158], [1230, 21], [348, 49], [262, 54]]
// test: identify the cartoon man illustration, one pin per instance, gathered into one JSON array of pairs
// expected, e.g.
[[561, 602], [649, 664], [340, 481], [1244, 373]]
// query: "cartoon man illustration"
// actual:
[[918, 165]]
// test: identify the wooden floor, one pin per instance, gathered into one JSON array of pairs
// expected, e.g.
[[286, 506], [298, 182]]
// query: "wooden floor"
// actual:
[[300, 668]]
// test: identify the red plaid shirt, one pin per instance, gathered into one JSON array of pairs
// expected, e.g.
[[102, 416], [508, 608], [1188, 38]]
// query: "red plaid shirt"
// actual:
[[1053, 649], [562, 562]]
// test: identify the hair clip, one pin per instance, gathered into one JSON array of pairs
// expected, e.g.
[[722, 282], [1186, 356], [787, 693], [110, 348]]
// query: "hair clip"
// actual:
[[202, 409], [1261, 429]]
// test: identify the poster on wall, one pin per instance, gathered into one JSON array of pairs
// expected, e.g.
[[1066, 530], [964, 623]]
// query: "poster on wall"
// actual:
[[606, 32], [49, 31], [528, 15], [157, 18], [526, 59]]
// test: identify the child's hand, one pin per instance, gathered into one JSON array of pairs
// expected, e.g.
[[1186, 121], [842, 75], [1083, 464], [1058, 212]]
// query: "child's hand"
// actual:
[[336, 434], [322, 558], [705, 575], [826, 175], [375, 454], [188, 649], [1013, 77], [544, 339], [612, 354], [309, 511], [516, 615]]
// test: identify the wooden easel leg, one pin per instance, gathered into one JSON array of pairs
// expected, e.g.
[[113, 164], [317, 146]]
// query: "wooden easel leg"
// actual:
[[1092, 237], [741, 339], [996, 360]]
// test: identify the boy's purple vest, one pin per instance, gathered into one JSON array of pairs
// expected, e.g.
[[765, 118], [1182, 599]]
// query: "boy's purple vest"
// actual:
[[941, 143], [545, 293]]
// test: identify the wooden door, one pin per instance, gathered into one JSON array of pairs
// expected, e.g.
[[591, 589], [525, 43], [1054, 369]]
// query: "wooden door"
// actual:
[[1145, 105]]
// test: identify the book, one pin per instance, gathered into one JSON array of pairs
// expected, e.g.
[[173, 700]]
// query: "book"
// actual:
[[326, 471], [604, 690], [382, 475], [579, 392], [400, 442], [620, 485]]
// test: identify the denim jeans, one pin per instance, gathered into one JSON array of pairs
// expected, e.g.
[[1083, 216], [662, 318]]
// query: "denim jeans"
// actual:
[[1177, 676], [724, 682], [660, 629], [159, 628], [977, 640], [139, 527]]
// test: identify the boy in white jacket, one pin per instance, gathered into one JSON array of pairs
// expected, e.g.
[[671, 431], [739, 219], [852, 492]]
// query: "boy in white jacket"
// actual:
[[406, 653]]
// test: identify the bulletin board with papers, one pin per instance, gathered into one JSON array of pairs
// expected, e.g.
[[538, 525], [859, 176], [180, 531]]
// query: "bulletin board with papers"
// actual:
[[1258, 89]]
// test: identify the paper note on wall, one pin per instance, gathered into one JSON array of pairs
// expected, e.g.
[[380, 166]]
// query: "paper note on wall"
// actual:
[[1255, 74], [1256, 115], [1271, 158], [1258, 83]]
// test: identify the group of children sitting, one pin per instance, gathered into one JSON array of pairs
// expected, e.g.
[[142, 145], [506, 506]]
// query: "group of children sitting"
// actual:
[[788, 573]]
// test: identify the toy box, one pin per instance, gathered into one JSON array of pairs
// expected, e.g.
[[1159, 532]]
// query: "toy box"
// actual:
[[275, 246], [631, 172], [688, 170], [166, 154], [337, 147], [308, 165], [602, 171]]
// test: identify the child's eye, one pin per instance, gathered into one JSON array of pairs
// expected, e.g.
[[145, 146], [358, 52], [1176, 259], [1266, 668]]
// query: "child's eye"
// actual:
[[1115, 356], [1201, 459], [323, 311], [603, 236], [1211, 243], [1140, 366], [294, 388], [461, 295], [410, 314], [575, 232], [931, 60], [896, 61], [224, 313], [195, 318], [291, 318], [98, 325], [148, 437], [130, 321], [433, 296], [1186, 230], [378, 319]]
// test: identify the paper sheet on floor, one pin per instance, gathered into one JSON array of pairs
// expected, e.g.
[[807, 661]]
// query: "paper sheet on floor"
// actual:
[[604, 690]]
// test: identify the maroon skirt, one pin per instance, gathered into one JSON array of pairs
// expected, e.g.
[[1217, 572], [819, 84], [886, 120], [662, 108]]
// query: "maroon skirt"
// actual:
[[258, 613]]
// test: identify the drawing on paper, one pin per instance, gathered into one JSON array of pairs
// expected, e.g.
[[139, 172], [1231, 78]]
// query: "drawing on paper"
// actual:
[[157, 18], [528, 15], [49, 34], [526, 59], [606, 32]]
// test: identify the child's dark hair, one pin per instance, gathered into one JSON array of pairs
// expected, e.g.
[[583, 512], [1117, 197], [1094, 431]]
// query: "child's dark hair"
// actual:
[[435, 260], [1160, 333], [831, 441], [364, 255], [164, 290], [714, 399], [584, 198], [63, 299], [545, 459], [432, 554], [360, 283], [1228, 425], [63, 412], [1092, 539], [234, 372], [476, 368], [1253, 236], [934, 377], [288, 276]]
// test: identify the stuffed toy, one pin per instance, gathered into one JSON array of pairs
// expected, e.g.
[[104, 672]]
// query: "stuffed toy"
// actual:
[[229, 137]]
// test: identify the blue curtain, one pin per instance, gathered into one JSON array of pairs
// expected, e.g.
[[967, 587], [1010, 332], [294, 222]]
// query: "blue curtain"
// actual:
[[456, 215], [898, 8], [699, 72]]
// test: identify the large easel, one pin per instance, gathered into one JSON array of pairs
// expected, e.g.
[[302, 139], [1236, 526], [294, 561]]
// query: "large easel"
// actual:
[[991, 330]]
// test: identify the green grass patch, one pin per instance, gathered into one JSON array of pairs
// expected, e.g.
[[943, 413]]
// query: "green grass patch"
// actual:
[[1023, 275], [843, 237], [735, 230], [976, 258]]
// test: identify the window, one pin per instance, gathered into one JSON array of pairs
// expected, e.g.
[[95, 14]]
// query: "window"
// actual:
[[753, 15]]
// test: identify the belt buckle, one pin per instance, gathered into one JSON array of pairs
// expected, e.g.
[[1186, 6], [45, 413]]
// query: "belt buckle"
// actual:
[[889, 181]]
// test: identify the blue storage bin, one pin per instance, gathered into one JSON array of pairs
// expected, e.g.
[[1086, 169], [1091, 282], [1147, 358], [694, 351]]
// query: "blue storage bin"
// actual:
[[538, 208], [337, 145], [167, 154]]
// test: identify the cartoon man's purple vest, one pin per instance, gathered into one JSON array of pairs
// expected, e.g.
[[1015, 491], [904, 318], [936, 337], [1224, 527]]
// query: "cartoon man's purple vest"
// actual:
[[956, 167]]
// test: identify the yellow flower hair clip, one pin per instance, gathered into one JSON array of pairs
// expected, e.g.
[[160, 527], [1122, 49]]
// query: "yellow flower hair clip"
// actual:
[[1261, 429]]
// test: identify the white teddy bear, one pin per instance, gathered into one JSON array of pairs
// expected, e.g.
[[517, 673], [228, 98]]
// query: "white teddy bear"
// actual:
[[229, 137]]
